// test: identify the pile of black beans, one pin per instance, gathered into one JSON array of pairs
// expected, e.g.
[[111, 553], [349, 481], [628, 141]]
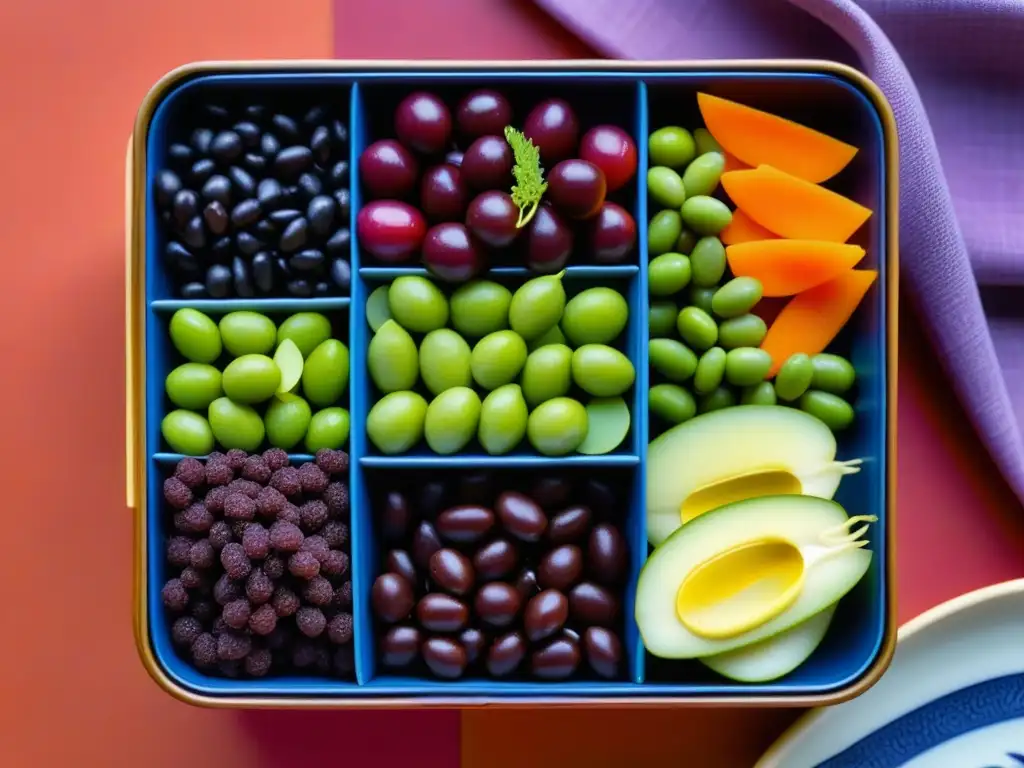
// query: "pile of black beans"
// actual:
[[255, 202], [512, 581]]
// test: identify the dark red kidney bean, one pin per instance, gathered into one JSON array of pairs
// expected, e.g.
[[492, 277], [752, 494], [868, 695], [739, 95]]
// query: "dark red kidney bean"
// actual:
[[307, 260], [445, 657], [425, 542], [294, 236], [184, 206], [302, 289], [263, 271], [521, 516], [391, 597], [243, 280], [526, 584], [200, 140], [248, 244], [338, 174], [505, 654], [570, 525], [320, 214], [477, 488], [310, 185], [248, 132], [269, 145], [218, 188], [600, 498], [557, 660], [495, 560], [432, 498], [226, 146], [201, 171], [551, 492], [320, 143], [193, 291], [246, 213], [545, 614], [395, 516], [474, 641], [216, 217], [607, 557], [285, 126], [592, 604], [292, 161], [560, 568], [451, 571], [399, 646], [465, 524], [244, 183], [487, 164], [438, 612], [399, 561], [571, 633], [269, 193], [341, 274], [338, 243], [497, 604], [218, 281], [180, 155], [603, 651]]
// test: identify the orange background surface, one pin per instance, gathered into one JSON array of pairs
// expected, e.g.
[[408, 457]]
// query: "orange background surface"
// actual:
[[72, 692]]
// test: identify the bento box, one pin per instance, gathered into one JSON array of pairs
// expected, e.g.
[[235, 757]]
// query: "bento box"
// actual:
[[512, 383]]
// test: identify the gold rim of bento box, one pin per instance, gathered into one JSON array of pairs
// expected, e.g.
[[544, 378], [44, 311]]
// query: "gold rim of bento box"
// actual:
[[137, 458]]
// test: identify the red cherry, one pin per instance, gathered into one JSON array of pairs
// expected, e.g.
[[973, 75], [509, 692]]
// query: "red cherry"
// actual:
[[612, 150], [390, 230], [612, 234], [388, 169], [423, 122], [451, 253]]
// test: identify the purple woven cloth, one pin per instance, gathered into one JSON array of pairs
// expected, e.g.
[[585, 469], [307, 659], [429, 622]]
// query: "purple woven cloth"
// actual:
[[953, 71]]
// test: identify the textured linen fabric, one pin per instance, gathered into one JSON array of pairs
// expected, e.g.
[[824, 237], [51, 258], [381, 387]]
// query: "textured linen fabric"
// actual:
[[953, 71]]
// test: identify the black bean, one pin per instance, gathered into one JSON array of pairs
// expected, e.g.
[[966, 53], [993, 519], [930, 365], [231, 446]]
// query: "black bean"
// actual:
[[320, 213], [201, 171], [292, 161], [284, 216], [193, 233], [269, 145], [315, 115], [341, 274], [338, 174], [310, 185], [201, 139], [226, 146], [322, 289], [243, 181], [185, 206], [249, 132], [216, 217], [343, 199], [281, 264], [263, 271], [218, 188], [339, 133], [165, 218], [216, 112], [269, 193], [166, 185], [221, 249], [193, 291], [248, 243], [180, 155], [294, 236], [255, 111], [245, 213], [307, 260], [181, 258], [265, 230], [218, 281], [254, 163], [285, 126], [243, 282], [292, 197], [338, 243], [320, 143], [300, 288]]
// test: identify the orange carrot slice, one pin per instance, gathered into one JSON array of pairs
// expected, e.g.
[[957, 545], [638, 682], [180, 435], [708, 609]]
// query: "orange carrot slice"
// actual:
[[810, 321], [792, 207], [743, 229], [788, 267], [761, 138], [733, 163]]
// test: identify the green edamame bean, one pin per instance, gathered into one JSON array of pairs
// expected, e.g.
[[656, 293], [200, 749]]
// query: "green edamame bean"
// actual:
[[708, 261], [187, 432], [661, 318], [602, 371], [705, 142], [705, 215], [746, 366], [672, 403], [328, 429], [196, 336], [537, 306], [742, 331], [687, 240], [663, 232], [251, 379], [831, 409], [759, 394], [723, 397], [497, 358], [452, 420], [395, 422], [480, 307], [710, 371], [832, 373], [307, 329], [595, 316], [794, 377], [392, 358], [701, 297], [547, 374], [445, 361], [737, 297], [503, 416], [668, 274], [287, 420], [672, 359], [235, 425], [194, 386], [557, 427], [417, 304], [665, 186], [325, 374], [702, 175], [247, 333], [697, 328], [672, 146], [553, 336]]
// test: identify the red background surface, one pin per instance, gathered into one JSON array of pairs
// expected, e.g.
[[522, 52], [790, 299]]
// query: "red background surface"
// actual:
[[73, 693]]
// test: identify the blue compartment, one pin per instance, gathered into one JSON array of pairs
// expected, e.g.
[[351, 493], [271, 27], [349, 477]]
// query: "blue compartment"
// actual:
[[639, 100]]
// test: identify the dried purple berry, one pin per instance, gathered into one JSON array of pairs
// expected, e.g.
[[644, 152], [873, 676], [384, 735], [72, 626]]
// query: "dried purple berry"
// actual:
[[275, 458], [263, 620], [303, 565], [335, 533], [203, 611], [336, 498], [256, 541], [225, 590], [230, 668], [285, 537], [218, 472], [270, 502], [215, 456], [332, 462], [236, 458], [287, 481], [236, 564], [256, 469], [178, 549], [312, 478], [280, 637], [238, 529], [204, 650], [340, 629], [304, 654], [219, 626], [313, 515], [191, 472], [220, 534], [290, 514], [323, 660], [274, 566], [176, 493], [236, 613], [238, 506], [258, 587], [214, 500], [318, 591], [185, 630], [191, 578], [257, 663], [233, 647], [310, 621], [175, 596], [343, 596], [202, 555], [284, 602], [316, 546], [246, 487], [197, 518], [335, 564], [344, 661]]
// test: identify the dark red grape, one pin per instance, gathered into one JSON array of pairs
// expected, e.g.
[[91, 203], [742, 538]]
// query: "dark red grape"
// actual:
[[487, 164], [483, 112], [443, 196], [422, 122], [451, 253], [554, 129], [612, 150], [548, 241], [388, 169], [492, 217], [577, 188], [454, 158], [390, 230], [612, 234]]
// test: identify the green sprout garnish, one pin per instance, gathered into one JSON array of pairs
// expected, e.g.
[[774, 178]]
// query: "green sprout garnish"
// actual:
[[530, 185]]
